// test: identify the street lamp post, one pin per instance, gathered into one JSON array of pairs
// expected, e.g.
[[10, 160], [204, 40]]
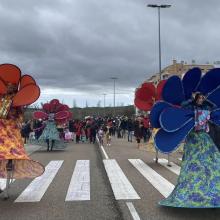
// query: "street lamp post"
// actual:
[[114, 79], [159, 42], [159, 39], [104, 102]]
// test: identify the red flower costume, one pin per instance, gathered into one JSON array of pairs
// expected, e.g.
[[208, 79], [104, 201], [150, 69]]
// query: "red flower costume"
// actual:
[[147, 94], [15, 91], [61, 113], [54, 113]]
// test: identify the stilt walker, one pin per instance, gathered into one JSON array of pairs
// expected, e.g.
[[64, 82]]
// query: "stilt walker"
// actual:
[[53, 113], [189, 105], [16, 91]]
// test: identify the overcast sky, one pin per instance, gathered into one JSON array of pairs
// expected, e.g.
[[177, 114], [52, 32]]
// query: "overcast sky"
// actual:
[[73, 47]]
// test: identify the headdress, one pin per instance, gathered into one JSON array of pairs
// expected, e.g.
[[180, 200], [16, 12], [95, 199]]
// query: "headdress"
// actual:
[[21, 90], [55, 109]]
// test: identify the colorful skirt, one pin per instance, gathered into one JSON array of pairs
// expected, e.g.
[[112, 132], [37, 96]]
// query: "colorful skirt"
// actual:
[[198, 185], [12, 148], [50, 133]]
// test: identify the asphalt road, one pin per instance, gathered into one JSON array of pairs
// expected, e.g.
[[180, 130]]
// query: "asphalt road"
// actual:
[[104, 200], [147, 207], [53, 206]]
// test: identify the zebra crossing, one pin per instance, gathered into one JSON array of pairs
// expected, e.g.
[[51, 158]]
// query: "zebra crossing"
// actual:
[[79, 187], [36, 189], [29, 150], [173, 168], [121, 186], [159, 182]]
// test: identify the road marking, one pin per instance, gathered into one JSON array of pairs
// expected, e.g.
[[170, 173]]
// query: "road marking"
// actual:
[[104, 152], [133, 211], [160, 183], [29, 150], [36, 189], [121, 186], [102, 148], [175, 169], [79, 188]]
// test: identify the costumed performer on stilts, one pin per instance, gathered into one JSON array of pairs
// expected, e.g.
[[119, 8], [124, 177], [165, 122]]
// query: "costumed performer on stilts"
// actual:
[[184, 116], [16, 91], [53, 113]]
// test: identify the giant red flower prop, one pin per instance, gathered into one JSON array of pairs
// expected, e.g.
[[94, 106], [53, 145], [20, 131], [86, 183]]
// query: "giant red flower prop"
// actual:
[[147, 94], [60, 111]]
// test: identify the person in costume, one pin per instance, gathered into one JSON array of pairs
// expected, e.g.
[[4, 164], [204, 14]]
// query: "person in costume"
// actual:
[[185, 116], [54, 113], [138, 131], [145, 97], [50, 133], [16, 91]]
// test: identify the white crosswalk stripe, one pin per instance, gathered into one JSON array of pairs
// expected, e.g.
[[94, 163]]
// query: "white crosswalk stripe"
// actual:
[[79, 188], [174, 168], [121, 186], [37, 188], [29, 148], [159, 182]]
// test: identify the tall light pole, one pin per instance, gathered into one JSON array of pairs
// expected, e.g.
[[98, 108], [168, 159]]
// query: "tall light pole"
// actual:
[[160, 69], [104, 102], [114, 79], [159, 7]]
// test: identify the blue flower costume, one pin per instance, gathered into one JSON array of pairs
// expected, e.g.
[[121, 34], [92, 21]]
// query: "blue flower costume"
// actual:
[[180, 119]]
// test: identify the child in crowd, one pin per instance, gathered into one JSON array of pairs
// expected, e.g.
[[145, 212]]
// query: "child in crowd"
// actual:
[[101, 136], [108, 136], [83, 135], [68, 135]]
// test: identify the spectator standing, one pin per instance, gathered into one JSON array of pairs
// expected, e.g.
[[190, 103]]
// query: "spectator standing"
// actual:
[[138, 130], [130, 128]]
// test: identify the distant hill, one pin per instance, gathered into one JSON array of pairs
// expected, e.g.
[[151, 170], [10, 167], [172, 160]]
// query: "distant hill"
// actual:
[[80, 113]]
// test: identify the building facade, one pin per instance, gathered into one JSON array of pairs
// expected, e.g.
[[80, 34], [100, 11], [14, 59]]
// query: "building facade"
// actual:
[[178, 69]]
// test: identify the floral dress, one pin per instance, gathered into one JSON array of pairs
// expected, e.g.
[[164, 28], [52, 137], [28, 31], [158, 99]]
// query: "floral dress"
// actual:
[[198, 185], [12, 148]]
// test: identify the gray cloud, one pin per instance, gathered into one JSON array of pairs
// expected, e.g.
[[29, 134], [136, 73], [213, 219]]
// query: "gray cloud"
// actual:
[[79, 45]]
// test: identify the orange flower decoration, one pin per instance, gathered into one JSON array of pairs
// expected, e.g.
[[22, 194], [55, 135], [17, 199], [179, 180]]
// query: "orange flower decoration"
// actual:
[[26, 90]]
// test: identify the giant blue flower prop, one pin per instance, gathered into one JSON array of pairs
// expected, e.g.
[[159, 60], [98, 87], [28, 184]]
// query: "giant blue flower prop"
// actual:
[[175, 122]]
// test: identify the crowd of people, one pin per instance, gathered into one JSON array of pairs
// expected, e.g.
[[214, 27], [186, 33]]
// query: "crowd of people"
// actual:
[[81, 131]]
